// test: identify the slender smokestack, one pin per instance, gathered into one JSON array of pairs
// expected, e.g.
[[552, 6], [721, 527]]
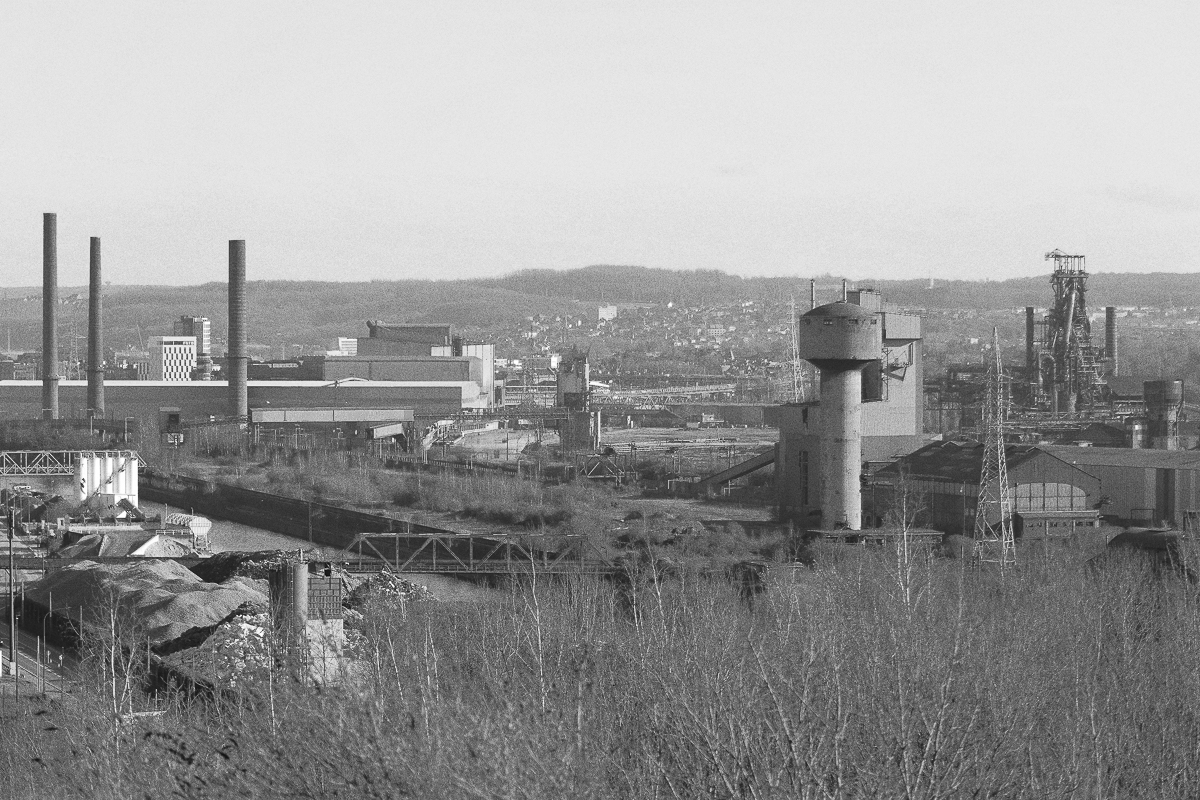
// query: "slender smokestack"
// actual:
[[95, 369], [845, 296], [1031, 365], [239, 403], [1110, 336], [812, 293], [50, 316]]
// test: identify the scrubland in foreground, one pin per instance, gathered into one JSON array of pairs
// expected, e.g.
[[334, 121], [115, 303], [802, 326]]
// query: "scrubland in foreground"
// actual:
[[857, 679]]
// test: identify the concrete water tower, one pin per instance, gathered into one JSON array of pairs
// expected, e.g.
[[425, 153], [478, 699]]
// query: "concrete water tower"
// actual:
[[840, 339]]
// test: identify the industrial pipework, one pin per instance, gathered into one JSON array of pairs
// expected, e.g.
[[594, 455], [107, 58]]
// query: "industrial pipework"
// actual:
[[95, 369], [50, 316], [840, 339], [236, 359]]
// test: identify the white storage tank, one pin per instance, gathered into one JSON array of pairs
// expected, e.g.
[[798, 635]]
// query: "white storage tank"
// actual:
[[113, 473], [196, 527]]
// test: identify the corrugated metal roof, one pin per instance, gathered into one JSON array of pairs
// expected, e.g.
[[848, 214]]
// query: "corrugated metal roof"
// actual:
[[962, 462], [1126, 457], [955, 462]]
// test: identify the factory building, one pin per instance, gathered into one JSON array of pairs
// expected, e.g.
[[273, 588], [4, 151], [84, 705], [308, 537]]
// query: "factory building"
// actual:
[[407, 377], [172, 358], [200, 329], [399, 353], [942, 480], [170, 406], [1055, 488], [352, 428], [888, 412]]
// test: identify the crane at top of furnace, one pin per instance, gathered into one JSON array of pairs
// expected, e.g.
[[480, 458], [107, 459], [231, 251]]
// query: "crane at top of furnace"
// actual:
[[1066, 263]]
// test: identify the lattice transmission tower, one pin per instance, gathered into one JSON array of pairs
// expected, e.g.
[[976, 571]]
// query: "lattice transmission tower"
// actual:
[[993, 513]]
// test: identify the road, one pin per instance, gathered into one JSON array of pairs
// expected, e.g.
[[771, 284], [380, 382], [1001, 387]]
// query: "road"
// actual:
[[50, 673]]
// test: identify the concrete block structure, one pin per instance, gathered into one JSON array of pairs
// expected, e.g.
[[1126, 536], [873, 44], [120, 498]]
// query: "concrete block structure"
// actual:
[[882, 346], [306, 608]]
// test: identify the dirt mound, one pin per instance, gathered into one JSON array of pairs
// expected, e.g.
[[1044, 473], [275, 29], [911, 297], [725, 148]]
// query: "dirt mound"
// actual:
[[158, 600]]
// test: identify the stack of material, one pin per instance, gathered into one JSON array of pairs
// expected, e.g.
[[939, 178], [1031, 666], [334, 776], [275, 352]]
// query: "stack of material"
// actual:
[[156, 600]]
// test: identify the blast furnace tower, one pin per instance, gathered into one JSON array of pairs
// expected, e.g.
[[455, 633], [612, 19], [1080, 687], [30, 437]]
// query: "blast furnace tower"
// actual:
[[1067, 369], [840, 339]]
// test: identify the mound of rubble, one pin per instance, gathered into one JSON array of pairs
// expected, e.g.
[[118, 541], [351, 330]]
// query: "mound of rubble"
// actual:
[[234, 650], [386, 586], [162, 600], [257, 564]]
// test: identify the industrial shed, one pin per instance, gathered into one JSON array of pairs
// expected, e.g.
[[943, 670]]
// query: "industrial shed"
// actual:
[[943, 478], [1125, 486], [1140, 486]]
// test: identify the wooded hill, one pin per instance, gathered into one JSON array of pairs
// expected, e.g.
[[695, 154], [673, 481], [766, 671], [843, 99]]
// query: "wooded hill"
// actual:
[[312, 313]]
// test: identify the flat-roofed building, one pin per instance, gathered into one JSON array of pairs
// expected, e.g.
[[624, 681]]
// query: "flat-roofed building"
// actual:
[[172, 358]]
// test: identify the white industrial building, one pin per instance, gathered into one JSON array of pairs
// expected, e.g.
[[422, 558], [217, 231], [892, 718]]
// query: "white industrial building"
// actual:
[[172, 358]]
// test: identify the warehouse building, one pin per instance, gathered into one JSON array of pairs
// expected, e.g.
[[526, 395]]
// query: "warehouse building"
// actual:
[[170, 406], [398, 353], [1054, 487]]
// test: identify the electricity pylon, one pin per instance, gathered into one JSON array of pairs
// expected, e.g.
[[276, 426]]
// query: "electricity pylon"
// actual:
[[993, 513]]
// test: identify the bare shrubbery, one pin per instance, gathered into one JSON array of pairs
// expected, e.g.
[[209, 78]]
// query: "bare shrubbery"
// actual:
[[487, 496], [853, 680]]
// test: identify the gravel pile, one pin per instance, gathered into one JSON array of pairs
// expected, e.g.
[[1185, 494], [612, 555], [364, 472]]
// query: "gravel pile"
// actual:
[[159, 600]]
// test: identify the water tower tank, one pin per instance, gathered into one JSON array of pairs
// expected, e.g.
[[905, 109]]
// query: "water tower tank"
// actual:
[[840, 332], [840, 339]]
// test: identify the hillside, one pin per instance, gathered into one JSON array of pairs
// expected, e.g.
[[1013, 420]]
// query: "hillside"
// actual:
[[311, 314]]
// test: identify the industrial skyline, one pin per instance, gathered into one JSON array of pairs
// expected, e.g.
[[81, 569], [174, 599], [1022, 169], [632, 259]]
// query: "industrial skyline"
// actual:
[[404, 140]]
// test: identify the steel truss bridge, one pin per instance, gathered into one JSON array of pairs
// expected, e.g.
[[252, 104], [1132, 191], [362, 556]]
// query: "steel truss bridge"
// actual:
[[633, 395], [473, 554], [22, 463], [439, 553]]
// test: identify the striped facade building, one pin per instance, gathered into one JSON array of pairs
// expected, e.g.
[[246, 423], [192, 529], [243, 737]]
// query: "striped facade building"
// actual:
[[172, 358]]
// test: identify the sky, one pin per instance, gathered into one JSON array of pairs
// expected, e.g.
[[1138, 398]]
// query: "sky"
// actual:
[[394, 140]]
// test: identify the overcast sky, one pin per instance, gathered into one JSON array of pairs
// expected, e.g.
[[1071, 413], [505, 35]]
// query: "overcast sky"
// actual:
[[352, 141]]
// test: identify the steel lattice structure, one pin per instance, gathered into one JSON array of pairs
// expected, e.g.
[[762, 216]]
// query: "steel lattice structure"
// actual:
[[1071, 367], [993, 512], [49, 462]]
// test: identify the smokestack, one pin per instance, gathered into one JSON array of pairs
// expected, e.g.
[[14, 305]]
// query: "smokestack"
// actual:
[[812, 293], [239, 403], [1031, 365], [95, 369], [1110, 336], [845, 295], [50, 316], [297, 610]]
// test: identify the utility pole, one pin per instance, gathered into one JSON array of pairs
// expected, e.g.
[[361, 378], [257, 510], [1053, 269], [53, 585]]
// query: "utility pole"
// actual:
[[993, 513], [12, 602]]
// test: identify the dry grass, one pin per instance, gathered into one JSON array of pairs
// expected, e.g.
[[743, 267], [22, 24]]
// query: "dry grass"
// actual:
[[870, 678]]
